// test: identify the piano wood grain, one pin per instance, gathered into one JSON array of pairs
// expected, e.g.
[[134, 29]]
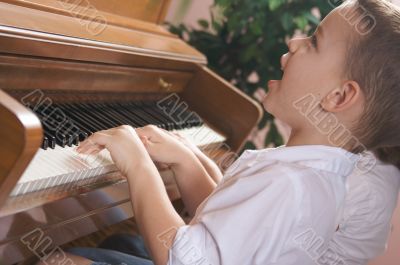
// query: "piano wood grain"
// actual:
[[63, 221], [40, 23], [18, 143], [122, 13], [64, 216], [47, 48]]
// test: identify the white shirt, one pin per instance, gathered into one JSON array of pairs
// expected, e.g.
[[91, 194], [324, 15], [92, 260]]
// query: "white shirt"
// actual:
[[369, 206], [274, 206]]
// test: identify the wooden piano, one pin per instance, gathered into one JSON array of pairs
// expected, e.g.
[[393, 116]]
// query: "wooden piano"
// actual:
[[71, 67]]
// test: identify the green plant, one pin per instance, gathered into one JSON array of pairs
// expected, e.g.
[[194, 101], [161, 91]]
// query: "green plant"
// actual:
[[249, 40]]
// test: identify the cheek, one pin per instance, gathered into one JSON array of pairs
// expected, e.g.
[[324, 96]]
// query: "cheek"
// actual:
[[308, 76]]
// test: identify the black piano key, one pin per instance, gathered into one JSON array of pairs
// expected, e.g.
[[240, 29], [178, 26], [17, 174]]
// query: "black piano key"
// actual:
[[152, 107], [165, 124], [45, 143], [106, 111], [177, 116], [80, 123], [80, 116], [61, 139], [123, 119], [147, 116], [91, 122], [91, 117], [182, 114], [130, 108], [97, 116], [51, 140], [77, 138], [70, 139], [136, 119]]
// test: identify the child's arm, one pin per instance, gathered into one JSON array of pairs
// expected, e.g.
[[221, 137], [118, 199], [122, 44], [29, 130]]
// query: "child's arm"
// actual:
[[192, 178], [153, 210], [210, 166]]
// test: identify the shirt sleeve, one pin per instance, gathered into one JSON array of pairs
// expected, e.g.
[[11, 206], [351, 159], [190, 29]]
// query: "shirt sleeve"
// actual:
[[247, 220]]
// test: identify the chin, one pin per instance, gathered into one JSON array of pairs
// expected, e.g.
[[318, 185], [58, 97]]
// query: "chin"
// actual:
[[268, 106], [267, 102]]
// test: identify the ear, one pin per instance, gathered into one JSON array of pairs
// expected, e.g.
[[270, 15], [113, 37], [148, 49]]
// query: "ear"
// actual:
[[342, 98]]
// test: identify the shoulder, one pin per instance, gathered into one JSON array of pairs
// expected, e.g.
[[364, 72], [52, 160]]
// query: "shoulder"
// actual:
[[372, 195]]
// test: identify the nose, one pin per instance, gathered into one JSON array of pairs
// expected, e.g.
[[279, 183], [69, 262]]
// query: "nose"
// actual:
[[284, 59], [293, 45]]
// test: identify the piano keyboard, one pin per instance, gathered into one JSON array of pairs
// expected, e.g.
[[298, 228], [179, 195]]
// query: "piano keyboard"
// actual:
[[69, 123], [57, 163]]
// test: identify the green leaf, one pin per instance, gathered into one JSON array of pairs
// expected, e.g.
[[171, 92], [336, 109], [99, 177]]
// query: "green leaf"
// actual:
[[310, 17], [249, 145], [203, 23], [287, 21], [275, 4], [301, 22], [216, 26], [248, 54], [264, 121], [255, 28]]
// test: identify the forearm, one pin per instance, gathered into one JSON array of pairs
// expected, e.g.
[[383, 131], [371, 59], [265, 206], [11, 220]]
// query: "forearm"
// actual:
[[194, 182], [153, 210], [212, 169]]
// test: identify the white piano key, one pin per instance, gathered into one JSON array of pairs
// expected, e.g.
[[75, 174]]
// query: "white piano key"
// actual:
[[60, 166]]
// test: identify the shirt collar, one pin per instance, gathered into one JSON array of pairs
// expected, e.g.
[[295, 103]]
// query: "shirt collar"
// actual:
[[334, 159]]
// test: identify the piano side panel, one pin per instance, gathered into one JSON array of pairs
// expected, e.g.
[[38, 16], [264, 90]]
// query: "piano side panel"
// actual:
[[20, 138], [223, 106]]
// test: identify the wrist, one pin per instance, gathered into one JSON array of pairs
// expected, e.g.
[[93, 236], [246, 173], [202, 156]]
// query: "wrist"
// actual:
[[186, 161], [141, 163]]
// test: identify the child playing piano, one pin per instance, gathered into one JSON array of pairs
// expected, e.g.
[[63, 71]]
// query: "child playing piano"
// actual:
[[339, 94]]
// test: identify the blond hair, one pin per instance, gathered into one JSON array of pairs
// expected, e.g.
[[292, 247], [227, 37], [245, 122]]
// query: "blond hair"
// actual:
[[373, 60]]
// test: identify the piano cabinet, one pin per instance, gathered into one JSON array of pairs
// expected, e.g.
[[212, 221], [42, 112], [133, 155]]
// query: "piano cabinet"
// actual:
[[45, 46]]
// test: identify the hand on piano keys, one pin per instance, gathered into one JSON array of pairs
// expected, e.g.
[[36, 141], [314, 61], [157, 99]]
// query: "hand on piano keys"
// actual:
[[130, 148], [58, 164]]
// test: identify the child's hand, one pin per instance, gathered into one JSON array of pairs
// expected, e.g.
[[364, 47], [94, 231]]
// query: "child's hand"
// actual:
[[163, 146], [126, 149], [196, 150]]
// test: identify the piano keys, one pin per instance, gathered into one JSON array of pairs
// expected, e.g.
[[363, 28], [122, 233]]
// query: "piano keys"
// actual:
[[91, 82]]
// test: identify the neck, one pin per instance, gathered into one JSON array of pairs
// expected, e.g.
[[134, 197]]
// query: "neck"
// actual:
[[307, 137]]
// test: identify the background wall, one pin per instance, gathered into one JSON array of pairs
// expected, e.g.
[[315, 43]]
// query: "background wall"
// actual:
[[189, 11]]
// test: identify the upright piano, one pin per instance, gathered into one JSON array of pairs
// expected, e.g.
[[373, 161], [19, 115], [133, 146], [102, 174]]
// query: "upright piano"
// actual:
[[69, 68]]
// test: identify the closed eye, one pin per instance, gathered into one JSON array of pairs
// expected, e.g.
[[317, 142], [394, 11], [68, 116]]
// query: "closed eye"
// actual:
[[314, 41]]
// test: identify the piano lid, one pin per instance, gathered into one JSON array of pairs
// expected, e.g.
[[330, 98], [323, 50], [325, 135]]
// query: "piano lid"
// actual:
[[131, 26]]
